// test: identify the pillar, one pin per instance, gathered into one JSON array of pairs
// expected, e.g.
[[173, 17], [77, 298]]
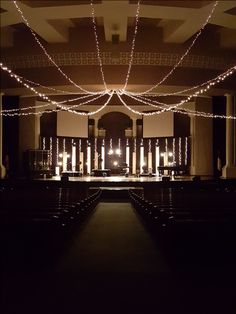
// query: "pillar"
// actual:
[[2, 168], [96, 127], [134, 127], [81, 160], [201, 136], [29, 129], [229, 170]]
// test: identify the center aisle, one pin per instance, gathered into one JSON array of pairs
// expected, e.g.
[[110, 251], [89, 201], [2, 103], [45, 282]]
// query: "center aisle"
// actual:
[[113, 242]]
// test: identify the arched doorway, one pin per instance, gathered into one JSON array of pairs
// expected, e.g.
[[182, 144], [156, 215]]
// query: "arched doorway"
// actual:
[[115, 124]]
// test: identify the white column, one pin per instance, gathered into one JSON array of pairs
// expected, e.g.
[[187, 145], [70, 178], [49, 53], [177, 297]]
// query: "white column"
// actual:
[[73, 158], [81, 160], [89, 159], [103, 157], [134, 163], [149, 162], [127, 156], [229, 170], [141, 159], [157, 159], [64, 161], [96, 160]]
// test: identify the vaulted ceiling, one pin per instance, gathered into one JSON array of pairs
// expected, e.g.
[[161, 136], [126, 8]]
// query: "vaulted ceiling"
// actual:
[[165, 30]]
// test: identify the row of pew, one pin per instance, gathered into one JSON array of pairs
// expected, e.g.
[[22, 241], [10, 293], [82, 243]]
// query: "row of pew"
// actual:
[[41, 224], [190, 220]]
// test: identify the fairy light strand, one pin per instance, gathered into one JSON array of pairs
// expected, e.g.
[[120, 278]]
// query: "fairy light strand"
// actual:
[[51, 102], [201, 114], [217, 79], [186, 52], [46, 53], [221, 77], [51, 88], [133, 45], [97, 44]]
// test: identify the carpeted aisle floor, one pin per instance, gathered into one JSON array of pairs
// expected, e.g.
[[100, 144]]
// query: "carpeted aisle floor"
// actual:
[[114, 242], [113, 266]]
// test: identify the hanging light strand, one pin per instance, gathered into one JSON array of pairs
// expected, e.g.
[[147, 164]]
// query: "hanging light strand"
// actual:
[[183, 111], [6, 112], [52, 88], [61, 108], [221, 77], [97, 44], [133, 45], [186, 52], [46, 53]]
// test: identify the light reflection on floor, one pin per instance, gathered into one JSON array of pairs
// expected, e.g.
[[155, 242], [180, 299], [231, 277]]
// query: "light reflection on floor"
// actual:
[[122, 179]]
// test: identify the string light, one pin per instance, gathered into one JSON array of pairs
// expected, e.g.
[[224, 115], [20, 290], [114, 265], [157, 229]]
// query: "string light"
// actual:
[[97, 44], [44, 143], [133, 45], [57, 150], [50, 151], [203, 87], [64, 145], [184, 111], [48, 87], [46, 53], [149, 146], [4, 68], [41, 95], [62, 108], [186, 52], [173, 107], [186, 152], [110, 152], [173, 149], [166, 145], [180, 151]]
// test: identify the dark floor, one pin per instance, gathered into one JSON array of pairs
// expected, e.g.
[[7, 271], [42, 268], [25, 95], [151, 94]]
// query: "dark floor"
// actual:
[[113, 265]]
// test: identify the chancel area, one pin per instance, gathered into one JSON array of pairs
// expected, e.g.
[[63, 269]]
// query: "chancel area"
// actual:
[[118, 156]]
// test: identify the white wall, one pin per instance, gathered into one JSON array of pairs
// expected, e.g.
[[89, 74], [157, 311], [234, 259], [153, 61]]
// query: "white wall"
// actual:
[[71, 125], [161, 125]]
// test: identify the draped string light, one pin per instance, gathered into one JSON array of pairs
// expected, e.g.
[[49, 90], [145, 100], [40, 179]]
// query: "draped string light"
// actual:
[[50, 110], [203, 87], [48, 87], [133, 45], [50, 150], [186, 52], [57, 150], [7, 113], [46, 53], [97, 44], [180, 151], [173, 149], [172, 108], [44, 143], [62, 108], [43, 96], [186, 152], [180, 111]]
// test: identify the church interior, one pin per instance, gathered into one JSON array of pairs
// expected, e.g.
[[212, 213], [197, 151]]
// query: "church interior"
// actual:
[[118, 156]]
